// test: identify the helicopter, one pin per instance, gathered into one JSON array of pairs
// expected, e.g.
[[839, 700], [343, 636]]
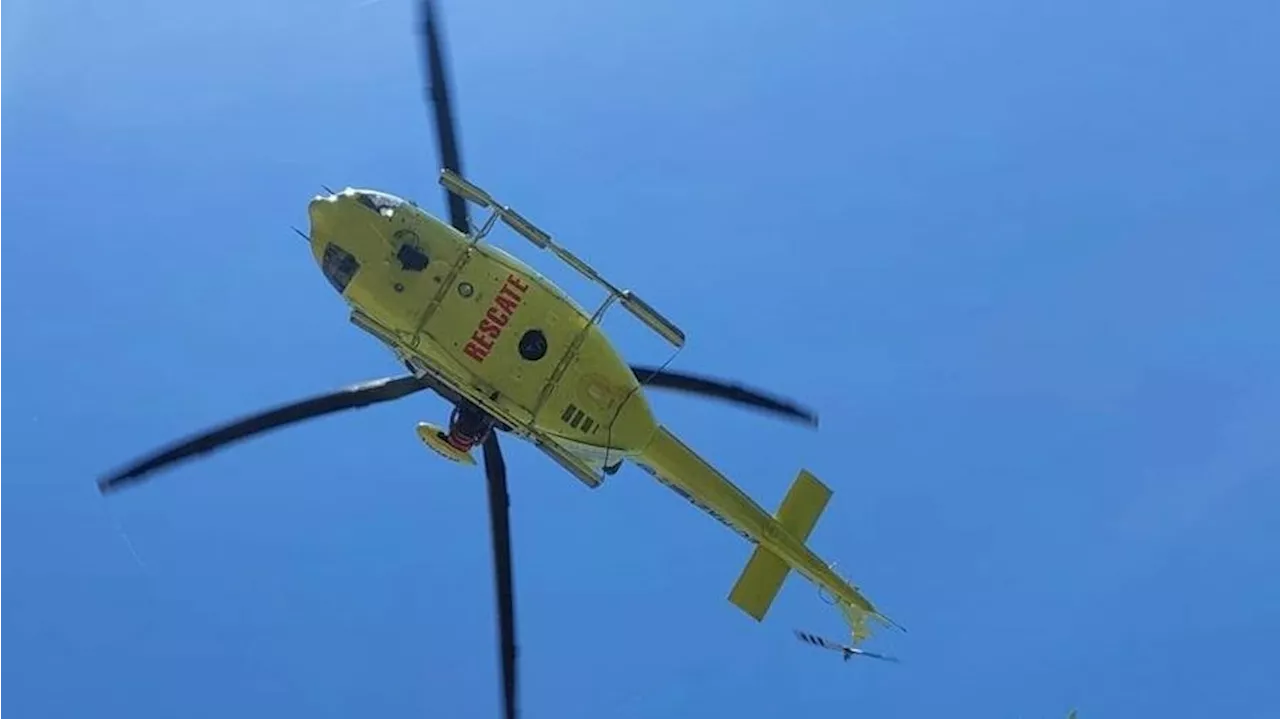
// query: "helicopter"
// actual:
[[514, 354]]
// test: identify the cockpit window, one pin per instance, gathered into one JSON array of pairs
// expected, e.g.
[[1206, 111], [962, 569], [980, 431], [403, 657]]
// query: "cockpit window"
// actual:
[[339, 266]]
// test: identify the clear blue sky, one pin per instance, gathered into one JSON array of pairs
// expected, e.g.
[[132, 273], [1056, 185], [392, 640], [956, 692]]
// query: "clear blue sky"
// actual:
[[1021, 257]]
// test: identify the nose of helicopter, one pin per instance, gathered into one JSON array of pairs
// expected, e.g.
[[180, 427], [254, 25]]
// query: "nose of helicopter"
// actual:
[[334, 248], [344, 232]]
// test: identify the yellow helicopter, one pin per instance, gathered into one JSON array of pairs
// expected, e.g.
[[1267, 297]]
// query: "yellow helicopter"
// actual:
[[514, 354]]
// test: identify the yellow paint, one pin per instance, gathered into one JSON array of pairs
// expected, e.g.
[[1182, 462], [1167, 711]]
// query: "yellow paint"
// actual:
[[762, 578]]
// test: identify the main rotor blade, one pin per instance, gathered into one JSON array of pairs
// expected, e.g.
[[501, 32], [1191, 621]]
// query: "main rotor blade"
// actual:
[[446, 130], [495, 469], [359, 395], [707, 386]]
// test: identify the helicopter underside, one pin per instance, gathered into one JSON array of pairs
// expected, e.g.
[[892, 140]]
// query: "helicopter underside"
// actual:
[[589, 462]]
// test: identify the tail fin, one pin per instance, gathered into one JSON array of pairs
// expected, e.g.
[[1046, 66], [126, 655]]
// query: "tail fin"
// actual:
[[762, 578]]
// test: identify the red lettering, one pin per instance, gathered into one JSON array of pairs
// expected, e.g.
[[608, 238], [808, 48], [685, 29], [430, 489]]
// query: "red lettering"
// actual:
[[483, 341], [496, 317], [474, 351], [516, 283], [487, 327], [505, 304]]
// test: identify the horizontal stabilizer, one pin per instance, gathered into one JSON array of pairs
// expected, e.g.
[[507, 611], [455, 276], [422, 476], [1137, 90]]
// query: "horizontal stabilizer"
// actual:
[[759, 583], [762, 578], [803, 505]]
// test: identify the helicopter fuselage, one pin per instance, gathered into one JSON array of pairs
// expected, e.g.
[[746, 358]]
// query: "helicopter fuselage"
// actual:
[[484, 324]]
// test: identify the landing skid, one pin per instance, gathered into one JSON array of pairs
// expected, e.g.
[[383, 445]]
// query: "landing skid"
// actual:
[[437, 439]]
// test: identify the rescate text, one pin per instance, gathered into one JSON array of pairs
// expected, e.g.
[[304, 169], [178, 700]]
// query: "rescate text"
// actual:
[[504, 306]]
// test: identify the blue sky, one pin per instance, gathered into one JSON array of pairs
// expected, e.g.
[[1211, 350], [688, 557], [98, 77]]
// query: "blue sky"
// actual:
[[1021, 257]]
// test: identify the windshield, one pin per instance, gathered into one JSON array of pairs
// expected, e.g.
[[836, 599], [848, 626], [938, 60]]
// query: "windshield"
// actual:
[[379, 202]]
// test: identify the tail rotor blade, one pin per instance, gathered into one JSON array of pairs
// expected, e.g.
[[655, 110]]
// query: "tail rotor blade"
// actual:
[[874, 655], [845, 651]]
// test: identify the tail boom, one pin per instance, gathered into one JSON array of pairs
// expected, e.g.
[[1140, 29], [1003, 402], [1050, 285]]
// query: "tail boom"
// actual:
[[779, 539]]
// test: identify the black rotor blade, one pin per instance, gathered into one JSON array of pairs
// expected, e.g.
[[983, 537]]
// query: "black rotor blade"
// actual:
[[359, 395], [495, 470], [874, 655], [494, 465], [446, 129], [707, 386]]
